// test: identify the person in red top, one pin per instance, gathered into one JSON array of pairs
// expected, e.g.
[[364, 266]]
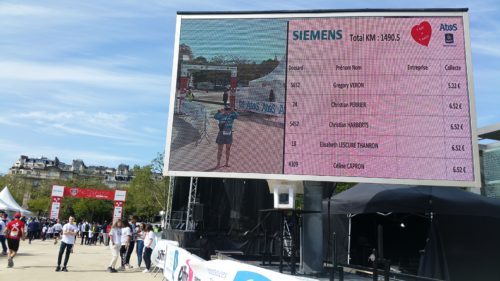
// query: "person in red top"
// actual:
[[14, 232]]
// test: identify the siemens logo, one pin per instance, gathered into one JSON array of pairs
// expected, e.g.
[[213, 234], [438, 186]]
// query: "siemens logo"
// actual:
[[448, 27], [317, 34]]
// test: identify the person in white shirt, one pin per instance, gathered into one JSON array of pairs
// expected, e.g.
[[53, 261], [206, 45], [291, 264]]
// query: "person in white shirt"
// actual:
[[148, 247], [126, 237], [44, 232], [57, 231], [115, 239], [69, 231], [50, 231], [83, 233]]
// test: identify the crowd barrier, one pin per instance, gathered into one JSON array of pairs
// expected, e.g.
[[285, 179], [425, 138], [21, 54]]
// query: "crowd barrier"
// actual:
[[179, 264]]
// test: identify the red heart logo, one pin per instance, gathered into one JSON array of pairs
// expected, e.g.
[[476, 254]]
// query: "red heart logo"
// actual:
[[422, 33]]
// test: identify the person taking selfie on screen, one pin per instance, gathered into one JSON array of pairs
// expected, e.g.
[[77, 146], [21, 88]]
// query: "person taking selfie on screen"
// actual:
[[226, 119]]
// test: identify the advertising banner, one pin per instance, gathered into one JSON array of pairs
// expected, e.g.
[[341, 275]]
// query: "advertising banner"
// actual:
[[178, 265], [229, 270], [269, 108], [120, 195], [57, 191], [89, 193], [55, 208], [117, 211], [158, 257]]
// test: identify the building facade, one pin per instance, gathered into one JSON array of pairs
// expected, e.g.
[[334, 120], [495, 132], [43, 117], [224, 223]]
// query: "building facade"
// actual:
[[489, 152], [44, 168]]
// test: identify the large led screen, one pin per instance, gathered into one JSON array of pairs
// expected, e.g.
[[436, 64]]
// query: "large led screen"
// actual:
[[381, 97]]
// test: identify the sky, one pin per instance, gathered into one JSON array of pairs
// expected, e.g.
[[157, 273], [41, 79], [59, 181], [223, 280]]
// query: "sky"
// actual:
[[90, 79]]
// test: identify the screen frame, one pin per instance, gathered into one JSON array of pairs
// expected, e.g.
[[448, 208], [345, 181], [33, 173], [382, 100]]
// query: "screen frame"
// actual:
[[329, 14]]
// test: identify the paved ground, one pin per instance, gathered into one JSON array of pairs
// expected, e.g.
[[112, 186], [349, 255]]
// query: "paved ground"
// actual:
[[257, 143], [37, 262]]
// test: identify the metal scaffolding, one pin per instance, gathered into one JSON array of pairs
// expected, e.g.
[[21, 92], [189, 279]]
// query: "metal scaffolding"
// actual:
[[193, 187], [170, 196]]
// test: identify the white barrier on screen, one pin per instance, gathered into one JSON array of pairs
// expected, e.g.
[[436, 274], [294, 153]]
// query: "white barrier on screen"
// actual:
[[262, 107]]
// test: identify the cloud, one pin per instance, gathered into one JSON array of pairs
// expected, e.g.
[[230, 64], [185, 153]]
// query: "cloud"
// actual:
[[6, 121], [32, 71], [117, 128], [486, 48], [10, 9]]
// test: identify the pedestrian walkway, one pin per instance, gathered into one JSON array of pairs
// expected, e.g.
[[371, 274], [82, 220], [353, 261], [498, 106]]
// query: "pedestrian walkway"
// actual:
[[37, 261]]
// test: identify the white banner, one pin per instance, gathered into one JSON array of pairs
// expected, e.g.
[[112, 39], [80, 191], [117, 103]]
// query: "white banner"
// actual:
[[54, 210], [117, 211], [228, 270], [160, 251], [57, 191], [120, 195], [178, 265]]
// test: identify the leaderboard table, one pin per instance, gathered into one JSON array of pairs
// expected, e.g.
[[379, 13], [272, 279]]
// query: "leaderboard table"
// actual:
[[378, 97]]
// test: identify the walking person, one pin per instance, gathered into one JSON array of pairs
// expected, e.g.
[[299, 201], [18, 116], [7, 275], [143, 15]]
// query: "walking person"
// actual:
[[148, 247], [225, 97], [133, 239], [50, 231], [14, 232], [57, 229], [32, 228], [3, 226], [89, 235], [44, 232], [69, 232], [115, 235], [141, 234], [83, 232], [126, 236]]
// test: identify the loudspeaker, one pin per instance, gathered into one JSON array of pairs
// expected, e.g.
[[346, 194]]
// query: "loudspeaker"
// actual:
[[198, 212]]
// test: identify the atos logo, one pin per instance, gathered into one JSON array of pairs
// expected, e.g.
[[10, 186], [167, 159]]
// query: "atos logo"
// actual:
[[448, 27]]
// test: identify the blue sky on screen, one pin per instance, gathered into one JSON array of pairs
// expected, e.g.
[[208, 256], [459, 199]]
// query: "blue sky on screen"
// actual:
[[91, 79], [249, 39]]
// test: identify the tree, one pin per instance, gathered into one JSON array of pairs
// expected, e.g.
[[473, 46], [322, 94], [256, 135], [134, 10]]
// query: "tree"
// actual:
[[157, 163], [185, 50], [148, 191], [93, 210], [200, 60], [18, 186]]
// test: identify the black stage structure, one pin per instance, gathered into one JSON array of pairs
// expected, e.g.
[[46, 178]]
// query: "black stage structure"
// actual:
[[237, 217], [439, 232], [226, 216]]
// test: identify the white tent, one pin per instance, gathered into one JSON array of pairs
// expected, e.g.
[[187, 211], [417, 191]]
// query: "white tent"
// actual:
[[5, 207], [11, 204], [259, 88]]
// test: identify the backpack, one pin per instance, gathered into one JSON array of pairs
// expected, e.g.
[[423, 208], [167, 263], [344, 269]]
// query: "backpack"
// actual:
[[87, 227]]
